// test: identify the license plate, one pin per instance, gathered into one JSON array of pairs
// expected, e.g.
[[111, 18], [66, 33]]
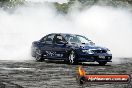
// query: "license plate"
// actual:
[[103, 57]]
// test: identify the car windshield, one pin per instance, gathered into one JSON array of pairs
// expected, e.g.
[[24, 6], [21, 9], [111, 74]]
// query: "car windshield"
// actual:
[[78, 39]]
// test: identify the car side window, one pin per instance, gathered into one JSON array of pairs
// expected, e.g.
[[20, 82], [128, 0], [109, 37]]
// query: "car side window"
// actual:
[[58, 39], [49, 39]]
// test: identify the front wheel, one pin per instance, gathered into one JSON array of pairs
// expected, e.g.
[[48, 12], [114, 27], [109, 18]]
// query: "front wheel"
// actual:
[[72, 58], [102, 63]]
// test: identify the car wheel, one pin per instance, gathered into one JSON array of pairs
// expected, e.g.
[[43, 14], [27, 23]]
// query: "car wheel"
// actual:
[[72, 57], [38, 56], [102, 63]]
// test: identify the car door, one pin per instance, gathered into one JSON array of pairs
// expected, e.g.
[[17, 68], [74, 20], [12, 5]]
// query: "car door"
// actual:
[[47, 48], [59, 46]]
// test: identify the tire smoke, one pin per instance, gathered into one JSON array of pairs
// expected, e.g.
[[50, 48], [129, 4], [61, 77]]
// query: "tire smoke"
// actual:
[[106, 26]]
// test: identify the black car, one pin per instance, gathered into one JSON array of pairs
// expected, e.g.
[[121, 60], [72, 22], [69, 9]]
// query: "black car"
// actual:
[[71, 48]]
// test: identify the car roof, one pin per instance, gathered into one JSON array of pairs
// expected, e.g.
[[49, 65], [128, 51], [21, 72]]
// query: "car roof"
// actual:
[[64, 33]]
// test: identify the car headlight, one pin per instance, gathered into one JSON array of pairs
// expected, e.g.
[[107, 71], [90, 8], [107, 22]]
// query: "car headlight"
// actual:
[[88, 51], [109, 52]]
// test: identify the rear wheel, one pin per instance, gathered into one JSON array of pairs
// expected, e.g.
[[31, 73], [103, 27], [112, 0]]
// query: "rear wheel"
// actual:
[[102, 63], [39, 56], [72, 58]]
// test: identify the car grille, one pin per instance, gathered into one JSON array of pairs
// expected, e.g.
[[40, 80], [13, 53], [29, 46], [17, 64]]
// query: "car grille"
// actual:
[[99, 51]]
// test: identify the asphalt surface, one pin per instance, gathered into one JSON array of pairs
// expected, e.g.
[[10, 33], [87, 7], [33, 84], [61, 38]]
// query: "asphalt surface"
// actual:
[[57, 74]]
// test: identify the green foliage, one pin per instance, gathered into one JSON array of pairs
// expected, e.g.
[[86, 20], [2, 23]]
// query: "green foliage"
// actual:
[[11, 3], [16, 2], [63, 8]]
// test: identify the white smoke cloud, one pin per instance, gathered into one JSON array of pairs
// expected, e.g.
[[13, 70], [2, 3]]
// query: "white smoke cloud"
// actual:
[[106, 26]]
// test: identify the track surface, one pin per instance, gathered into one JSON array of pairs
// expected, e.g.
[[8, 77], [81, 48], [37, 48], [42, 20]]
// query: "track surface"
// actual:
[[49, 74]]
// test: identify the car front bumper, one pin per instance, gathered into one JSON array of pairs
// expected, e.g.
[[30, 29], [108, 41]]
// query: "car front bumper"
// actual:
[[95, 57]]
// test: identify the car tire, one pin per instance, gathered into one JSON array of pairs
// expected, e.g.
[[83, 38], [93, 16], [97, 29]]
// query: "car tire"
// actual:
[[102, 63], [38, 56], [72, 57]]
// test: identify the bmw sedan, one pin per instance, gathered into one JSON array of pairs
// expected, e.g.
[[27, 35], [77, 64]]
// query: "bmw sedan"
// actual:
[[71, 48]]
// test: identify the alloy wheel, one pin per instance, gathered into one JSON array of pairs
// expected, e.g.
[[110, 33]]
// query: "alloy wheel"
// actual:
[[71, 57]]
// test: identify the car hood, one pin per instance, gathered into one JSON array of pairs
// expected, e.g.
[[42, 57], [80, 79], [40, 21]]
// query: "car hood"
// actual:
[[88, 46]]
